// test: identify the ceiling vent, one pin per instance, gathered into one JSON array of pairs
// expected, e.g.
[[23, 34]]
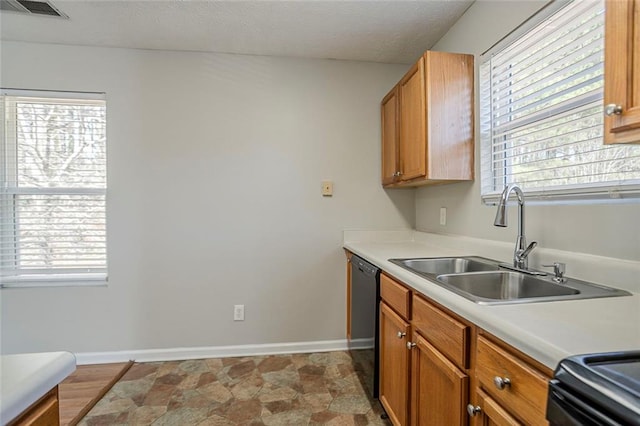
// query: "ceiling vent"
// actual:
[[31, 7]]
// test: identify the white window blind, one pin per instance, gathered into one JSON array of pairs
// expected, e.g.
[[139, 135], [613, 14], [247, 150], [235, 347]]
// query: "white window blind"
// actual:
[[53, 188], [541, 113]]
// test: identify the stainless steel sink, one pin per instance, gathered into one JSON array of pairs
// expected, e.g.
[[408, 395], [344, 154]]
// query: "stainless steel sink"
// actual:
[[504, 286], [434, 266], [483, 281]]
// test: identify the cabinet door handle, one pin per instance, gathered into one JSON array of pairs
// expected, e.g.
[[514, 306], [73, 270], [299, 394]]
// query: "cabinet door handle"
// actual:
[[401, 334], [410, 345], [612, 109], [397, 174], [473, 410], [501, 382]]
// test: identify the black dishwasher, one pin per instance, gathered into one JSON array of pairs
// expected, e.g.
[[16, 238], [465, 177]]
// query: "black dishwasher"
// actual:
[[597, 389], [363, 339]]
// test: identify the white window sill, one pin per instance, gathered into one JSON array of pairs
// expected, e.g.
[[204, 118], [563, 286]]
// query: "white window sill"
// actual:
[[62, 280]]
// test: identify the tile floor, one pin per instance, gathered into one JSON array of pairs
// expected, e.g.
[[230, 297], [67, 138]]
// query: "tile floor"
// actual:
[[299, 389]]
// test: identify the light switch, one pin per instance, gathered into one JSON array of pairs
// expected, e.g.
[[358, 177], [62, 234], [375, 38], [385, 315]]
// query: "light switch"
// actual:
[[327, 188]]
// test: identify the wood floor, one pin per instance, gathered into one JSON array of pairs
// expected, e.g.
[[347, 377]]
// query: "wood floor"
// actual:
[[86, 386]]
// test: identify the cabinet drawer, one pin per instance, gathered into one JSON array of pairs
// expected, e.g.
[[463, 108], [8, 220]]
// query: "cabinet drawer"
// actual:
[[446, 333], [395, 295], [526, 394]]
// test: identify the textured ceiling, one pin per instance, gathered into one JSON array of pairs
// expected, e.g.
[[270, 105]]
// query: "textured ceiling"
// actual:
[[377, 31]]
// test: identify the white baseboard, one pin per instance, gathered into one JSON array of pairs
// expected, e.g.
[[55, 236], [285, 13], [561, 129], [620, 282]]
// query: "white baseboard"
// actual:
[[177, 354]]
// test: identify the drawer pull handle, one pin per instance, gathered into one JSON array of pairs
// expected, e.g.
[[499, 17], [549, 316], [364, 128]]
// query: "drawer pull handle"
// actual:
[[473, 410], [501, 383], [410, 345], [401, 334]]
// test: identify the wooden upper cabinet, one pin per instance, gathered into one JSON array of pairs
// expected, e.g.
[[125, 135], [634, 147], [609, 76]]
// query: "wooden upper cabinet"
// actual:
[[412, 123], [450, 117], [435, 138], [390, 136], [622, 71]]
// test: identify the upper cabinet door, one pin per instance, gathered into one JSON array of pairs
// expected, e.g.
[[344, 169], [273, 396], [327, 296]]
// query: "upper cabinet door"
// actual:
[[390, 134], [413, 145], [622, 72], [450, 117]]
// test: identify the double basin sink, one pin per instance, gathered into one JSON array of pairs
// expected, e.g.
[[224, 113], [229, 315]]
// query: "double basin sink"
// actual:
[[484, 281]]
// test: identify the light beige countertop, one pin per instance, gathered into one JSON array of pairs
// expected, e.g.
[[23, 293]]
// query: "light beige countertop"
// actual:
[[25, 378], [546, 331]]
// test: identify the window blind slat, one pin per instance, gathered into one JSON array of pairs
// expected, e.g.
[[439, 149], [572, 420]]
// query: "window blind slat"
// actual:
[[541, 100], [575, 75], [520, 76], [539, 39]]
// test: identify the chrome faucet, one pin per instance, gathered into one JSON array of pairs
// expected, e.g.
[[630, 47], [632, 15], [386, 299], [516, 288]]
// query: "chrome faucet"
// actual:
[[521, 251]]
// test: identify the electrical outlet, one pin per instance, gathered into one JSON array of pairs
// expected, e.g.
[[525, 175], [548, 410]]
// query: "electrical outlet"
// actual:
[[238, 312], [443, 216]]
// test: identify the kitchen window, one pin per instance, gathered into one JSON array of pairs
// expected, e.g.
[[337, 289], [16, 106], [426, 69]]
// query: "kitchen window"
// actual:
[[541, 112], [53, 188]]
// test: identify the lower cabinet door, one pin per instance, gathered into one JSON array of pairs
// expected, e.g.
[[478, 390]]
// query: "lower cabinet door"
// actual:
[[45, 412], [489, 413], [439, 389], [394, 365]]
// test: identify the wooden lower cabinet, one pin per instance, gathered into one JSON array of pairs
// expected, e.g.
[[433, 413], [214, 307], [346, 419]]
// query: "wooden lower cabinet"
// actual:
[[394, 365], [489, 413], [348, 254], [44, 412], [511, 381], [439, 389], [396, 296], [437, 368]]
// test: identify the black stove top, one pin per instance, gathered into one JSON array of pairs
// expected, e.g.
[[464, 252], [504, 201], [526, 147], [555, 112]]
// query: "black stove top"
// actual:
[[608, 382]]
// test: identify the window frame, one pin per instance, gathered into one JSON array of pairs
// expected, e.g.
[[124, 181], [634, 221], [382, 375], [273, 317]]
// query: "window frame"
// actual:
[[10, 274], [594, 193]]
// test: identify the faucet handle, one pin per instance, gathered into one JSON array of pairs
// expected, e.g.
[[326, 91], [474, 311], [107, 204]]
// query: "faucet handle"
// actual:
[[559, 269], [530, 247]]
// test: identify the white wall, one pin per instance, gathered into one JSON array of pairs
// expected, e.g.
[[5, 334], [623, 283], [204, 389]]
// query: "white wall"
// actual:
[[214, 170], [607, 230]]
